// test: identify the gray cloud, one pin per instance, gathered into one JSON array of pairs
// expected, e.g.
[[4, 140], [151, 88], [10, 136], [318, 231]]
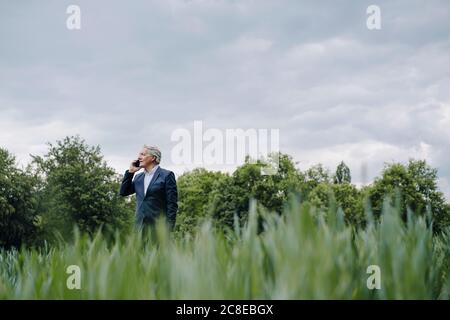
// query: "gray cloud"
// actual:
[[137, 71]]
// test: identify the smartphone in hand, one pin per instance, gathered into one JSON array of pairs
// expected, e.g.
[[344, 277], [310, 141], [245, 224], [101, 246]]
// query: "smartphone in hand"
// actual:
[[136, 163]]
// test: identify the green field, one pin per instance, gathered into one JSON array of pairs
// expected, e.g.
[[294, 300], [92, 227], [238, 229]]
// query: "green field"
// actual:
[[296, 255]]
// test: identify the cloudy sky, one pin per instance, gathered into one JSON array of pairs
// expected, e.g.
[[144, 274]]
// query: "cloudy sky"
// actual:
[[138, 70]]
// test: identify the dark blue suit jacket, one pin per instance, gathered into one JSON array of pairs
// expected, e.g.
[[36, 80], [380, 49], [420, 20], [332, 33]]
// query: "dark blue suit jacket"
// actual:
[[160, 199]]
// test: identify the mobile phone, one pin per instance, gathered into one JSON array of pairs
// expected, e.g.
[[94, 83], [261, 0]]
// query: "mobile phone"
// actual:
[[136, 163]]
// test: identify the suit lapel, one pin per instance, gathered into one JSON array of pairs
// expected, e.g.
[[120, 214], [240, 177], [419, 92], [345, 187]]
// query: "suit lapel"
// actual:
[[155, 176]]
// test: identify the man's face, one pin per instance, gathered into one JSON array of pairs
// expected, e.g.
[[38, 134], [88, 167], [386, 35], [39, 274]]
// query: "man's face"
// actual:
[[144, 158]]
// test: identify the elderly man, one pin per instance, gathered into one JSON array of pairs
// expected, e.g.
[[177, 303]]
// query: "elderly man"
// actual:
[[155, 188]]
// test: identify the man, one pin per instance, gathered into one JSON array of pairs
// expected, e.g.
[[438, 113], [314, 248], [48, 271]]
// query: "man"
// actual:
[[155, 188]]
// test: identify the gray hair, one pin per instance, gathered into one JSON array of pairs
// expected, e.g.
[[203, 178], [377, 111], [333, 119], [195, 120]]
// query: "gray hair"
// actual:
[[154, 151]]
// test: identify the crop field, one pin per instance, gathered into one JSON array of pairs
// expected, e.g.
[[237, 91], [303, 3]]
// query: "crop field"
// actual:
[[298, 255]]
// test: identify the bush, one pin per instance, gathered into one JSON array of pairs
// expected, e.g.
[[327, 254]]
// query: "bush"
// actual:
[[194, 195], [80, 189], [19, 218], [345, 195], [415, 186], [232, 196]]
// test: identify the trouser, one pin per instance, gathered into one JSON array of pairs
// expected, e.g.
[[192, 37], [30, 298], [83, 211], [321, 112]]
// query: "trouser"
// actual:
[[146, 228]]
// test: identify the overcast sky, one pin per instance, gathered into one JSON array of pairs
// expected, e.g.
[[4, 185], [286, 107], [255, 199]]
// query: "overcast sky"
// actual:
[[138, 70]]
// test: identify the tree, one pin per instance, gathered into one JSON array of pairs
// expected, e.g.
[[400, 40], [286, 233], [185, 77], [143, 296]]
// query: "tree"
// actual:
[[416, 185], [194, 193], [314, 176], [79, 188], [19, 218], [343, 195], [233, 194], [342, 174]]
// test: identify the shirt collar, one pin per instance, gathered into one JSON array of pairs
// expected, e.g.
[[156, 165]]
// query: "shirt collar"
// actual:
[[151, 171]]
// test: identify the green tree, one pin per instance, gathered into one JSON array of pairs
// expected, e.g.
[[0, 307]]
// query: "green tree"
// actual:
[[314, 176], [416, 185], [233, 194], [342, 174], [194, 193], [19, 218], [79, 188], [344, 195]]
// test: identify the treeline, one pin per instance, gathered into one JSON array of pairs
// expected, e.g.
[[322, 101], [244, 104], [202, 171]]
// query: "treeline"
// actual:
[[411, 188], [71, 185]]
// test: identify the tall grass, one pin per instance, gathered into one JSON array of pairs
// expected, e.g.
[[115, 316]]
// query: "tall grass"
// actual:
[[299, 255]]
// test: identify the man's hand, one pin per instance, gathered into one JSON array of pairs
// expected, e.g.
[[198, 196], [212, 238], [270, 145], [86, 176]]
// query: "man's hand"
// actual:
[[133, 168]]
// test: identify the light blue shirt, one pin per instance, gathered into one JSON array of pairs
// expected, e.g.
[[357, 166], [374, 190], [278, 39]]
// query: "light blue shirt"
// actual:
[[148, 177]]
